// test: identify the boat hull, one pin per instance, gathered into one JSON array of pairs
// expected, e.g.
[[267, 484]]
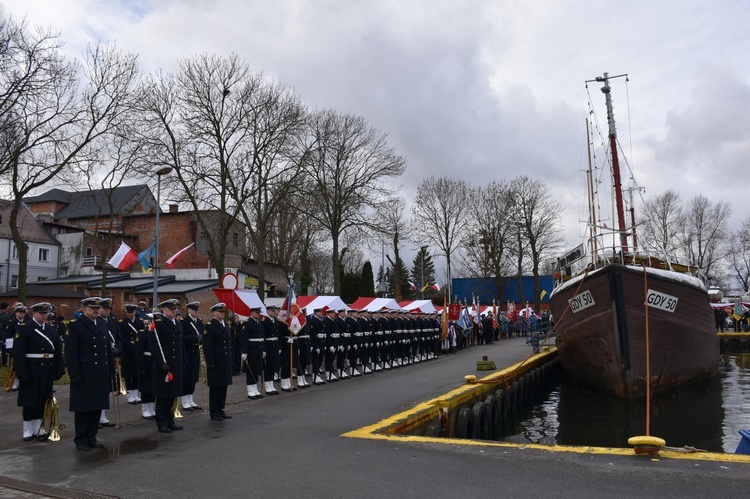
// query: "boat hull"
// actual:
[[601, 324]]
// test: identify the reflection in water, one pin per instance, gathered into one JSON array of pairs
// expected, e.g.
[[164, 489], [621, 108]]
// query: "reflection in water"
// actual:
[[705, 415]]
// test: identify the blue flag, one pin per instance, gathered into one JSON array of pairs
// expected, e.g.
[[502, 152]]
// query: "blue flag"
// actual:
[[145, 257]]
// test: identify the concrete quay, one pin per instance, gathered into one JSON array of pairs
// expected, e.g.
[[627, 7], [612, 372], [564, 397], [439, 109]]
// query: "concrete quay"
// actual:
[[292, 445]]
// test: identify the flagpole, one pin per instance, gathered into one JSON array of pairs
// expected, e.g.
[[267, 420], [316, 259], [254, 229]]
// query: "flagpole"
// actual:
[[159, 173]]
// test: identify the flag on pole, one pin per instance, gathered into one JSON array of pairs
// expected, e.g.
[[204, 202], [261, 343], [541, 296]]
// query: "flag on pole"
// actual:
[[544, 293], [145, 257], [444, 320], [436, 287], [412, 285], [291, 313], [173, 258], [124, 258]]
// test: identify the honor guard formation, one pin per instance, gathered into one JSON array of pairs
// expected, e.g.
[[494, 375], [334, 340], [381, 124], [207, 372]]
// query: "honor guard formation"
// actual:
[[157, 360]]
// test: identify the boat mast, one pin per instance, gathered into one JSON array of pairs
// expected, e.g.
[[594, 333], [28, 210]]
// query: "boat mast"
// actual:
[[615, 162], [592, 207]]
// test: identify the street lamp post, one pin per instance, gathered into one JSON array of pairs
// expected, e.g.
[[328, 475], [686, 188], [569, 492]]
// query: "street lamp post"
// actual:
[[159, 173], [421, 288]]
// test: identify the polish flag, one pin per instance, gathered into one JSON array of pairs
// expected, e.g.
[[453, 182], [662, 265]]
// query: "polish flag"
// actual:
[[124, 258], [173, 258], [436, 287]]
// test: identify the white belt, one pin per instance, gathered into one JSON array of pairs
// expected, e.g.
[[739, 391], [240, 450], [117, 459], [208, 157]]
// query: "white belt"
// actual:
[[257, 339], [271, 339], [304, 337], [147, 354], [334, 336], [39, 355]]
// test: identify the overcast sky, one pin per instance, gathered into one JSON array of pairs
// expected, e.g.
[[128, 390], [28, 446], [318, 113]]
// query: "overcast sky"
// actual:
[[479, 89]]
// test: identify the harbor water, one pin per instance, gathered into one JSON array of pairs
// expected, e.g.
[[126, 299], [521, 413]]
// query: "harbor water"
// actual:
[[705, 415]]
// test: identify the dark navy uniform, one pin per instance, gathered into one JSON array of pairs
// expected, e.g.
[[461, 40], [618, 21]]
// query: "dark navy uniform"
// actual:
[[166, 347], [91, 367], [345, 340], [333, 338], [272, 360], [217, 350], [145, 365], [318, 339], [192, 328], [252, 344], [129, 328], [38, 361]]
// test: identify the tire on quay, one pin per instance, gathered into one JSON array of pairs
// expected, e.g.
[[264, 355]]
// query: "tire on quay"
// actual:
[[466, 425]]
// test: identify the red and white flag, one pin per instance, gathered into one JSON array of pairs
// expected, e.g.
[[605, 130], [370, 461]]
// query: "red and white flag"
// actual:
[[291, 313], [173, 258], [436, 287], [124, 258]]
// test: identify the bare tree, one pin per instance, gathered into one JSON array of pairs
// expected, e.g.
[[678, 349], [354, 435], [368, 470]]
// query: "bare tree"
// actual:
[[491, 240], [196, 122], [348, 167], [440, 208], [705, 232], [537, 216], [664, 224], [739, 255], [48, 122], [277, 151], [392, 214]]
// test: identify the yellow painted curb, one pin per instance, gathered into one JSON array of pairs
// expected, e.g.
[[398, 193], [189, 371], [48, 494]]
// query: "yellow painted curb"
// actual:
[[389, 428]]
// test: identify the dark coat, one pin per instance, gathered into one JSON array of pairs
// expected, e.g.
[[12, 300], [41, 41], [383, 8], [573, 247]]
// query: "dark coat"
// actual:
[[36, 375], [143, 361], [252, 343], [192, 331], [129, 331], [169, 344], [317, 332], [217, 349], [88, 355]]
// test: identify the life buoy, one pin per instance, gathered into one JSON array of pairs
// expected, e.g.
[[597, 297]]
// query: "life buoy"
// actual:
[[466, 426]]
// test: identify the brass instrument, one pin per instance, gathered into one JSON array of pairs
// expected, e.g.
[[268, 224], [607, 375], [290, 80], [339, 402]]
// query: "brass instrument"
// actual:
[[120, 381], [176, 414], [11, 376], [50, 421], [115, 394], [203, 378]]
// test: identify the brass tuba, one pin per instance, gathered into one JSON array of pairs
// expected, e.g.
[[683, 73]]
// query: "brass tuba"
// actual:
[[176, 408], [11, 376], [50, 421]]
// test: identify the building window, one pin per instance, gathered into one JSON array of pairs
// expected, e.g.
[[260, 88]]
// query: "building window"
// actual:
[[43, 255], [203, 236], [89, 252], [42, 278], [14, 281], [15, 253], [235, 239]]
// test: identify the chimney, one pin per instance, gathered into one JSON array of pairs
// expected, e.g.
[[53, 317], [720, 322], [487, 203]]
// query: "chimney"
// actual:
[[173, 208]]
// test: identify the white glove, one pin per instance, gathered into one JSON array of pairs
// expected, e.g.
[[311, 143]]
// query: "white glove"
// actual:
[[264, 355], [317, 350], [290, 340], [377, 345], [333, 349], [355, 347], [244, 357], [341, 349]]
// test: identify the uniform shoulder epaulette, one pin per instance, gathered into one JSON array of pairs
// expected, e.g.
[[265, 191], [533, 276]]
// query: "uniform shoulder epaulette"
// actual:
[[157, 320], [72, 321], [121, 320]]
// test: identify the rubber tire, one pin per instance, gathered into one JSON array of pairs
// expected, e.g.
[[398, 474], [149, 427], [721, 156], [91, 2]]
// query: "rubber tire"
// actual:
[[466, 425], [482, 418], [495, 416], [514, 398], [433, 430]]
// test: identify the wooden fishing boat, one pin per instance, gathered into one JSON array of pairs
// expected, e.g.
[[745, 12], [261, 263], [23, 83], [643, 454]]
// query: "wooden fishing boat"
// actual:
[[603, 314]]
